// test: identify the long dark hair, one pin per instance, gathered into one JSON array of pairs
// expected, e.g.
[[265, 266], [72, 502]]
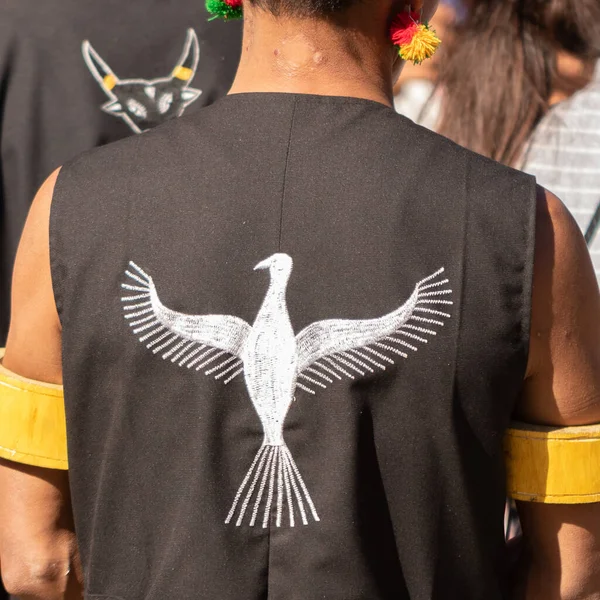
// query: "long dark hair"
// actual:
[[497, 77]]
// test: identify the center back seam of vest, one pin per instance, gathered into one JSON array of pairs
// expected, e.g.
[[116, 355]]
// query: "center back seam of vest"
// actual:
[[285, 171]]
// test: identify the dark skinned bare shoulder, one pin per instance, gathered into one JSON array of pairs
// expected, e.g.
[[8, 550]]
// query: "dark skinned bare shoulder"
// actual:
[[33, 348], [562, 388], [38, 549]]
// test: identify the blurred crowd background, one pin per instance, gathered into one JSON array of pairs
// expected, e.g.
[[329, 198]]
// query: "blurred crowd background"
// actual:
[[515, 80]]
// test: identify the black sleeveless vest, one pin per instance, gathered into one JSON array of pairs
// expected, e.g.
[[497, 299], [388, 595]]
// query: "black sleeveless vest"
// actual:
[[273, 390]]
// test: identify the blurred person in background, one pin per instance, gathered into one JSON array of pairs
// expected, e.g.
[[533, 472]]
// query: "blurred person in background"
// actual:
[[564, 153], [75, 74], [510, 63]]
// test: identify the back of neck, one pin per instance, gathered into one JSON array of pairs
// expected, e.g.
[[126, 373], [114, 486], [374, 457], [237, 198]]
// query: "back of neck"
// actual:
[[312, 56]]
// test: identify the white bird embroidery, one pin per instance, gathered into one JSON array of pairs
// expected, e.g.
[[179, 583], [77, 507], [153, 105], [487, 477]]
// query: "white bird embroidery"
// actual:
[[275, 362]]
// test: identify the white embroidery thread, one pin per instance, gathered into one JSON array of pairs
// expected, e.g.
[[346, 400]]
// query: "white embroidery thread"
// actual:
[[275, 362]]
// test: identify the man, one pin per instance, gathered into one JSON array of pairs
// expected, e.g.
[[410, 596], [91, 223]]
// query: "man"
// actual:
[[292, 330], [74, 76]]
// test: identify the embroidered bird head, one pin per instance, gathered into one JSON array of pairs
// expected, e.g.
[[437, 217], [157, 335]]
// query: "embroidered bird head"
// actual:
[[146, 103], [279, 265]]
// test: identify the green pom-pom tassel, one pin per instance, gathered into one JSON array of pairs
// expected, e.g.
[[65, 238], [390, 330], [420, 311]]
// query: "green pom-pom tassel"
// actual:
[[219, 9]]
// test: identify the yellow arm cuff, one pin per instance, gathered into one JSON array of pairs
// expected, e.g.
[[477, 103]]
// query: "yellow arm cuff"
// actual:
[[553, 465], [32, 421], [549, 465]]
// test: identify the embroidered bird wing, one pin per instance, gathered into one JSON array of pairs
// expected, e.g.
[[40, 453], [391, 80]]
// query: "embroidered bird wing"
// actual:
[[210, 342], [344, 347]]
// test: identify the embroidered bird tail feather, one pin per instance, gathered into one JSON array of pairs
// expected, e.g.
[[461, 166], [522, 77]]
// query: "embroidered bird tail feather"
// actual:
[[272, 479]]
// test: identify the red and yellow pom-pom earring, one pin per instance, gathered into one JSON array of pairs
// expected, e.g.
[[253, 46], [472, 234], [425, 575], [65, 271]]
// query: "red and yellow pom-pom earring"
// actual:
[[415, 39], [225, 9]]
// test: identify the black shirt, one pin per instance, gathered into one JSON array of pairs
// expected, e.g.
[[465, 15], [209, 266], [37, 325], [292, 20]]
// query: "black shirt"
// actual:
[[52, 90]]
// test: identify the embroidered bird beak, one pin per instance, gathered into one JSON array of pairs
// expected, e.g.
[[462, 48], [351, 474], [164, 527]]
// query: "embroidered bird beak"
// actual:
[[265, 264]]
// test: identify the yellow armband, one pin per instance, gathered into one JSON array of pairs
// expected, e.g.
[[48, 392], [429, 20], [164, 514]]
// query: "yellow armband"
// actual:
[[553, 465], [32, 421]]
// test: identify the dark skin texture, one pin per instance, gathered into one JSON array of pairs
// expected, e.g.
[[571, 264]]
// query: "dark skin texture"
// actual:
[[562, 542], [347, 57]]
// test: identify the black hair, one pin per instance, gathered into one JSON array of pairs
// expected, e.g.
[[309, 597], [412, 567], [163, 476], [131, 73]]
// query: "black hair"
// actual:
[[304, 8], [575, 26]]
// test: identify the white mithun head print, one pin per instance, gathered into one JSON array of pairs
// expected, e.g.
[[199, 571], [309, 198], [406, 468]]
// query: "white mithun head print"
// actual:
[[276, 362], [146, 103]]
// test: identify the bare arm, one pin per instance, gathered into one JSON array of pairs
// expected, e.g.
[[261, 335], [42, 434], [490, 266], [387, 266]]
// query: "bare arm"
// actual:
[[39, 557], [38, 553], [562, 388]]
